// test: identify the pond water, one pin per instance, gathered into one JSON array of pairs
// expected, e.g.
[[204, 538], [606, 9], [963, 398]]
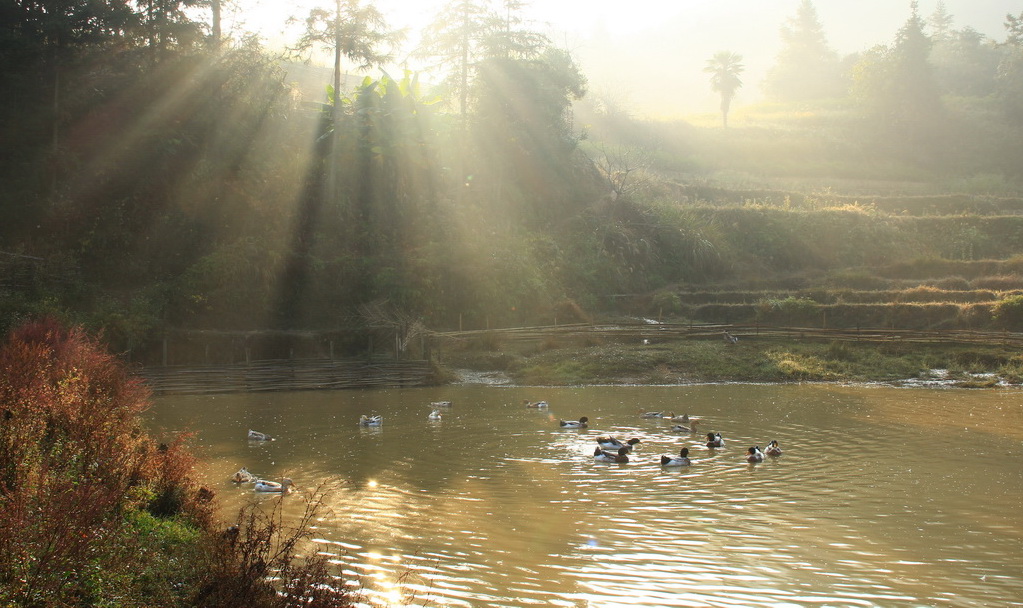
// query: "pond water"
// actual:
[[883, 496]]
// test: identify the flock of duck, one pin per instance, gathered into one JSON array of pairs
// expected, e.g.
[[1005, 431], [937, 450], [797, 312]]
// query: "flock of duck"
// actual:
[[608, 449]]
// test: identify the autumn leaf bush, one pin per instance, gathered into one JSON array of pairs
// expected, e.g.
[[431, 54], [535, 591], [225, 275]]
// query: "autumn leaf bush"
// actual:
[[96, 512]]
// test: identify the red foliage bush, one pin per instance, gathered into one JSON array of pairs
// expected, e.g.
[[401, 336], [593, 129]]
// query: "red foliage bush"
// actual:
[[73, 457], [79, 477]]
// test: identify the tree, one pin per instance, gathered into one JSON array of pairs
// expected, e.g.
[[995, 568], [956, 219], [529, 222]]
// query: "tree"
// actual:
[[1009, 78], [898, 86], [940, 21], [724, 69], [1014, 29], [523, 129], [965, 63], [167, 23], [353, 31], [457, 39], [806, 67], [913, 87]]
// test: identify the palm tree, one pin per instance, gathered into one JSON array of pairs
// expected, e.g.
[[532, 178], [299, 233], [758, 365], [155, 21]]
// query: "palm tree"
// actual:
[[724, 69]]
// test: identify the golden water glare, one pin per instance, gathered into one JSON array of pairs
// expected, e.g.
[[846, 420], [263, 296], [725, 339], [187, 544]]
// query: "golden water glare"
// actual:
[[883, 497]]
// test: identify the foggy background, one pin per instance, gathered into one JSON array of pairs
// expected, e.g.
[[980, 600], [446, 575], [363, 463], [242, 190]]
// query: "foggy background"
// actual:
[[650, 54]]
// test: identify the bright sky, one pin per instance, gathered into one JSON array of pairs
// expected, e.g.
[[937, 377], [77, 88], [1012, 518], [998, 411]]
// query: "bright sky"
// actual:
[[652, 52]]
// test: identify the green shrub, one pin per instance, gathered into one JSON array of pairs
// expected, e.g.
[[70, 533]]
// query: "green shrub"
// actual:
[[667, 302], [791, 311], [1009, 313]]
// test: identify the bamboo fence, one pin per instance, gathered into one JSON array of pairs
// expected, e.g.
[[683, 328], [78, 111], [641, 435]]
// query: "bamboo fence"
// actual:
[[312, 374], [286, 375], [660, 332]]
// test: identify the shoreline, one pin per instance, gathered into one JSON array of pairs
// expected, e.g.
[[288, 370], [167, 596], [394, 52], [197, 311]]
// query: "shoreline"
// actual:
[[471, 378], [688, 362]]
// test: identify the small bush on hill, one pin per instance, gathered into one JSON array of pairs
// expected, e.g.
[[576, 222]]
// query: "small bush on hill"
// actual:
[[951, 284], [1009, 312], [1004, 282]]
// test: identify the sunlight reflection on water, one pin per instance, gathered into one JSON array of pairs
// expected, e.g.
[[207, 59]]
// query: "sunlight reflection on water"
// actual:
[[883, 497]]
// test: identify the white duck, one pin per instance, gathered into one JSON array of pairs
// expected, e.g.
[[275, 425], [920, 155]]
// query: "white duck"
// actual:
[[284, 487], [365, 420], [773, 449], [257, 436], [575, 424], [608, 442], [434, 415], [682, 460]]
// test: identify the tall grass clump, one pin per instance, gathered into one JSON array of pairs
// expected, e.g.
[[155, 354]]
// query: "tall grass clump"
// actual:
[[94, 511]]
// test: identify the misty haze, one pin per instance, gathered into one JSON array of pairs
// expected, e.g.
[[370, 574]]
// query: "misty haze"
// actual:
[[379, 302]]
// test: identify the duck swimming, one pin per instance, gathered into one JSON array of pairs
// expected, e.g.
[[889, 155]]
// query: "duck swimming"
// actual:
[[682, 460], [686, 419], [535, 404], [714, 440], [608, 442], [371, 420], [441, 403], [575, 424], [434, 415], [754, 454], [679, 428], [773, 449], [243, 476], [605, 456], [652, 415], [257, 436], [262, 485]]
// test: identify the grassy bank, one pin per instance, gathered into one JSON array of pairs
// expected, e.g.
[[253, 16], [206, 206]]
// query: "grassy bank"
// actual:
[[747, 361]]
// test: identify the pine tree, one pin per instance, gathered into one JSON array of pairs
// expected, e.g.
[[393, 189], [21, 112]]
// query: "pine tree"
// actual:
[[806, 67]]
